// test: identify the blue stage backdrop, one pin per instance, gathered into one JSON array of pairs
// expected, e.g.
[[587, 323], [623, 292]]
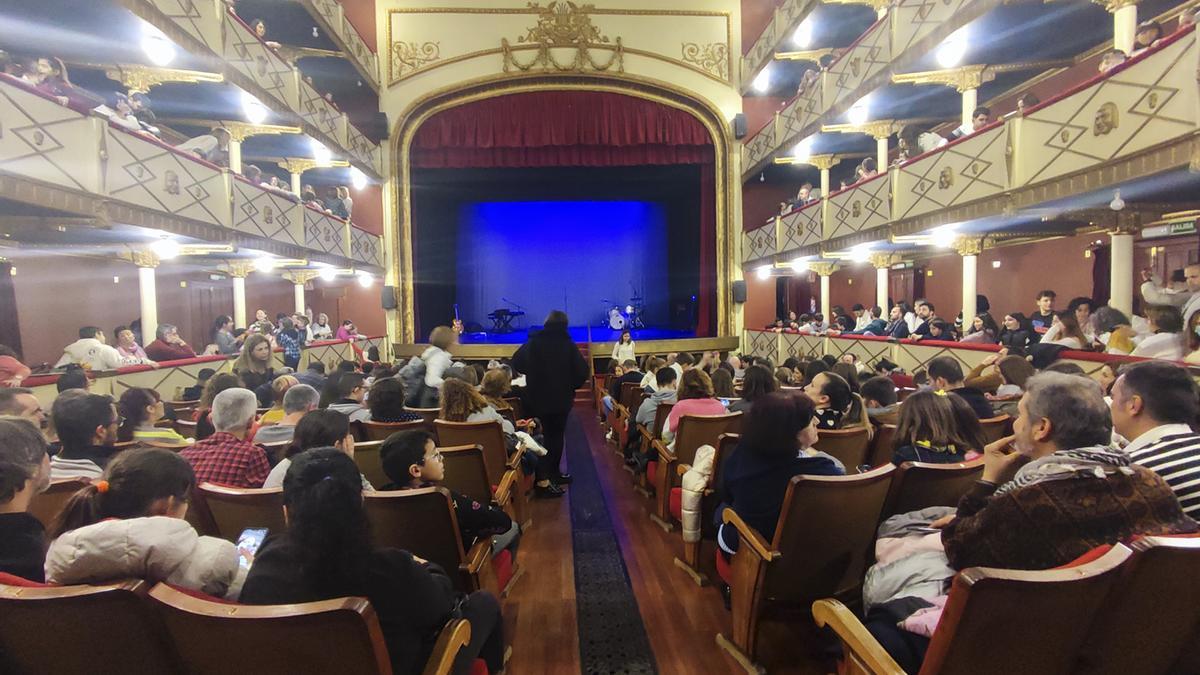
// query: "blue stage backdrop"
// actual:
[[571, 255]]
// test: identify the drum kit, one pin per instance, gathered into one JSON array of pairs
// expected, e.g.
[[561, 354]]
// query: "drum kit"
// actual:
[[628, 317]]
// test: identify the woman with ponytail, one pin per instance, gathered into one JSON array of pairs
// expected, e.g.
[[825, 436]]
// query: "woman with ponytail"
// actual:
[[142, 408], [130, 523], [327, 553]]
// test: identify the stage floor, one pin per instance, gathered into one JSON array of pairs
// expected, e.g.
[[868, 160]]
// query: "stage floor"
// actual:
[[578, 333]]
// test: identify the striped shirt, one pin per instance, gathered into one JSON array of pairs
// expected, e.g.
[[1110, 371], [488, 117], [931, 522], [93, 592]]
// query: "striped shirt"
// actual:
[[1174, 454]]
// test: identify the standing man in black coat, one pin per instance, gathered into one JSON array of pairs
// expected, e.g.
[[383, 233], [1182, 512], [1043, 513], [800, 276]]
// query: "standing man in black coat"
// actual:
[[553, 369]]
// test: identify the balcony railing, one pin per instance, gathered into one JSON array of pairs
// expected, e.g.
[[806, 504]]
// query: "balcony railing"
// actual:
[[52, 144], [784, 21], [332, 17], [1148, 103], [207, 28]]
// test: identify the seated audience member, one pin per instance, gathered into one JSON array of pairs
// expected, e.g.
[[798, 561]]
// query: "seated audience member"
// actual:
[[1057, 489], [254, 367], [879, 395], [297, 402], [228, 457], [131, 524], [653, 364], [462, 403], [211, 147], [73, 377], [321, 329], [629, 375], [313, 375], [1111, 59], [695, 397], [784, 376], [758, 382], [945, 374], [385, 403], [21, 402], [131, 352], [290, 340], [203, 414], [831, 396], [317, 429], [875, 325], [1166, 340], [141, 408], [1106, 377], [683, 361], [495, 386], [896, 327], [1016, 335], [347, 331], [87, 429], [253, 174], [279, 389], [12, 371], [849, 373], [980, 118], [411, 460], [914, 140], [326, 553], [90, 351], [1148, 33], [665, 382], [1154, 405], [1081, 308], [350, 393], [776, 444], [722, 383], [24, 473], [814, 368], [940, 330], [168, 346], [1027, 101], [983, 330], [923, 318], [227, 343], [929, 431], [1115, 331]]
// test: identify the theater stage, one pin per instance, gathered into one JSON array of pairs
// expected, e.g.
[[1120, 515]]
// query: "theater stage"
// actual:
[[599, 343]]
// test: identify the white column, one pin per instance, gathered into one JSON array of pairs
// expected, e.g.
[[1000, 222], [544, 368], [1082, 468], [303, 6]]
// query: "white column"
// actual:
[[825, 296], [149, 301], [1120, 272], [881, 154], [296, 186], [824, 183], [970, 99], [1125, 27], [881, 289], [298, 292], [235, 156], [969, 289], [239, 301]]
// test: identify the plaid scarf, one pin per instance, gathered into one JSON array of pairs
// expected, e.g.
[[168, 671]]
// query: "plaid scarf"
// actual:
[[1097, 461]]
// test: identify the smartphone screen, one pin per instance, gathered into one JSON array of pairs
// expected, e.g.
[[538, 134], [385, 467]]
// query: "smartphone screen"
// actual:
[[248, 542]]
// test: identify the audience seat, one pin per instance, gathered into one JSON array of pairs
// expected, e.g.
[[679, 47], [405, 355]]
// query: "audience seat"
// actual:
[[47, 505], [185, 428], [181, 408], [379, 431], [881, 449], [106, 629], [340, 635], [648, 479], [518, 407], [490, 437], [693, 431], [725, 446], [849, 446], [807, 558], [995, 428], [423, 523], [370, 463], [236, 509], [996, 622], [275, 451], [428, 415], [466, 475], [918, 485]]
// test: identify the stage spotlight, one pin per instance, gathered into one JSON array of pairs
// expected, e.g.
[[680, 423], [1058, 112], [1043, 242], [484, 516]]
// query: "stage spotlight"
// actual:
[[165, 248], [264, 264], [157, 47], [255, 111], [762, 82], [943, 237], [327, 274], [366, 280], [952, 51], [763, 272], [321, 154], [803, 35], [860, 112], [358, 179]]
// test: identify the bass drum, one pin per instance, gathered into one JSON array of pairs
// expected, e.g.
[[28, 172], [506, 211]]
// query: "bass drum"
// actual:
[[615, 320]]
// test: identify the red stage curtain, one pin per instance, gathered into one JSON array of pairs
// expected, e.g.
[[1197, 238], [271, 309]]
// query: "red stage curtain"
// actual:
[[580, 128]]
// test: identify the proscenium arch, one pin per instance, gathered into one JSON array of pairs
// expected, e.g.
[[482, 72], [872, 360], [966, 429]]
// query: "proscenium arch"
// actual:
[[402, 323]]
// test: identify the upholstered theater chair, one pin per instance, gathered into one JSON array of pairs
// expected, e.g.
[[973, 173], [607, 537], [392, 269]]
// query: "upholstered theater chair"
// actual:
[[379, 431], [880, 452], [467, 475], [46, 505], [236, 509], [693, 432], [918, 485], [708, 507], [490, 437], [644, 481], [849, 446], [995, 428]]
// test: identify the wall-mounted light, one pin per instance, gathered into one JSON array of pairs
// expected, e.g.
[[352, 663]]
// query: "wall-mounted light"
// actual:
[[327, 274], [995, 264], [762, 81], [763, 273], [366, 280]]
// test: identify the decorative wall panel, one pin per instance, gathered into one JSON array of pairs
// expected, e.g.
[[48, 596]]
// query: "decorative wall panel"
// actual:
[[267, 214], [973, 168], [150, 174], [865, 206], [48, 142]]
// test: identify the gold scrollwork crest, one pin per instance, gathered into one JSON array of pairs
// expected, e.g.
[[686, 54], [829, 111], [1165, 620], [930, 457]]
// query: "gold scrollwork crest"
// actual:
[[712, 58], [409, 56], [946, 178], [1107, 119], [563, 24]]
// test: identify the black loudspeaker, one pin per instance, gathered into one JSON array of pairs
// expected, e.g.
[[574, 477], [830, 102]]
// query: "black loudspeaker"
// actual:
[[378, 128], [388, 297], [739, 291], [739, 126]]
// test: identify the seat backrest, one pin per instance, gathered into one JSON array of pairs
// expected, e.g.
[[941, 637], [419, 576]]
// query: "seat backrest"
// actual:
[[628, 392], [427, 414], [661, 413], [487, 435], [725, 446], [421, 522], [999, 622], [919, 485], [235, 509], [370, 463], [848, 445], [83, 629], [275, 451], [340, 635], [825, 555], [881, 450], [379, 431], [47, 505], [185, 428], [995, 428], [1158, 593], [466, 472], [697, 430], [518, 408]]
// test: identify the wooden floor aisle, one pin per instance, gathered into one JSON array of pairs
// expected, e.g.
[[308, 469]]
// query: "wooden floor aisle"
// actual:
[[681, 618]]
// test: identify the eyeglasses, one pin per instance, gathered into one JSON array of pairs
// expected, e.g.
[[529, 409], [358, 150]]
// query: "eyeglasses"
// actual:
[[437, 455]]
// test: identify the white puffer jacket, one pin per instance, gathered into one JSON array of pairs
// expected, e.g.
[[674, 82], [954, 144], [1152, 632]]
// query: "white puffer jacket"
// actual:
[[695, 481], [156, 549]]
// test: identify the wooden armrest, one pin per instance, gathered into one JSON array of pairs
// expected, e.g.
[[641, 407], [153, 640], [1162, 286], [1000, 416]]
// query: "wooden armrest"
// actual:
[[645, 432], [504, 491], [856, 640], [749, 536], [682, 469], [514, 461], [479, 556], [664, 455], [454, 636]]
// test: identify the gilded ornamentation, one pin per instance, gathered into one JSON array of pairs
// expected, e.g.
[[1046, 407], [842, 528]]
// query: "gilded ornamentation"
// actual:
[[141, 78], [856, 209], [823, 269], [144, 258], [563, 24], [1107, 119], [965, 246], [409, 56], [946, 178], [711, 58]]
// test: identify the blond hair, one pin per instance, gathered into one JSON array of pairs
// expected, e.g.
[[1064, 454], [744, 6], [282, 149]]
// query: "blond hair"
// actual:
[[459, 401], [442, 337]]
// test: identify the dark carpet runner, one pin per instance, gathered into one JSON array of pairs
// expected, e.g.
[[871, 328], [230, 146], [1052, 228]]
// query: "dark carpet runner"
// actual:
[[612, 638]]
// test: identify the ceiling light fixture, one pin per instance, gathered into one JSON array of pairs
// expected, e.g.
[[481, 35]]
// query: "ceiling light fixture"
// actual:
[[255, 111], [860, 253], [859, 113], [803, 35], [358, 179], [944, 237], [762, 82], [264, 264], [803, 149], [763, 273], [321, 154], [366, 280], [157, 47], [953, 50], [165, 249], [327, 273]]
